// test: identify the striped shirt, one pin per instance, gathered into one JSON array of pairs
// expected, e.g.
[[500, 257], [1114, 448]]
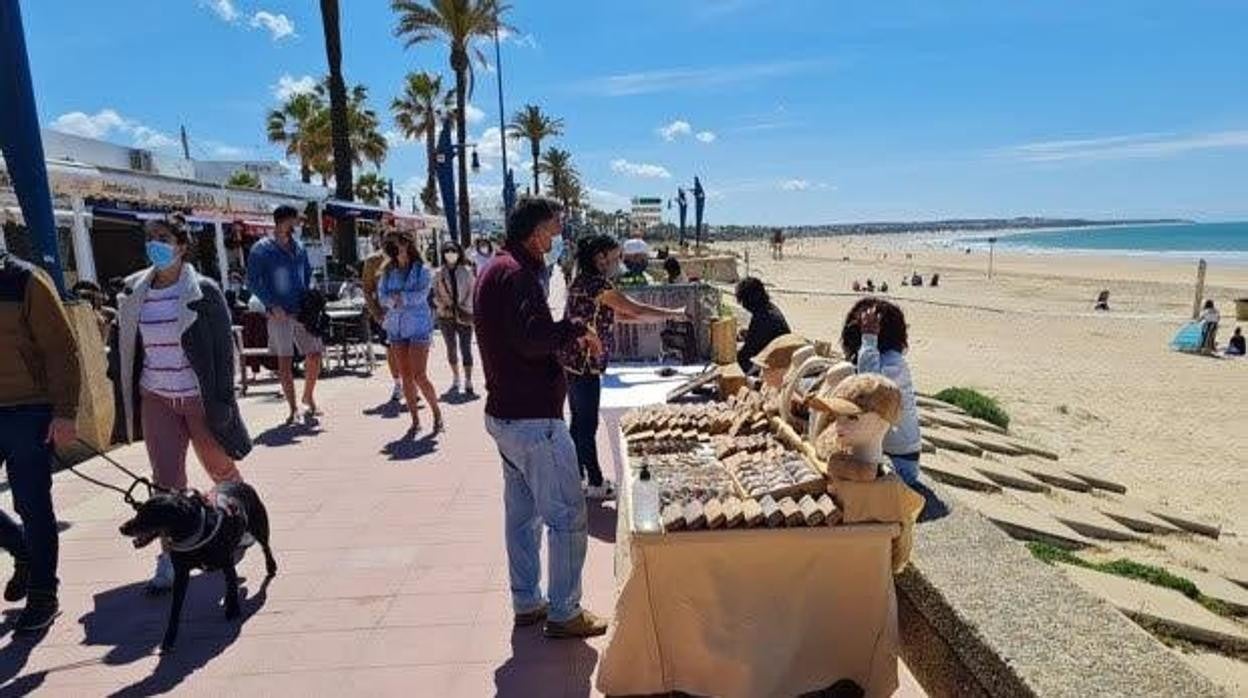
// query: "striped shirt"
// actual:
[[166, 370]]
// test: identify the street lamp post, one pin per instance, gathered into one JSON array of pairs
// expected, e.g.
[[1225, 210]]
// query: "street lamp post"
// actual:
[[509, 185], [992, 242]]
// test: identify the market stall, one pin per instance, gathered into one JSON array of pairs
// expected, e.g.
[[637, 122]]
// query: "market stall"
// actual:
[[751, 562]]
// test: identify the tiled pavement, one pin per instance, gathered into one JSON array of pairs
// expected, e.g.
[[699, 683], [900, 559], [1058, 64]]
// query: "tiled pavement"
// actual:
[[392, 574]]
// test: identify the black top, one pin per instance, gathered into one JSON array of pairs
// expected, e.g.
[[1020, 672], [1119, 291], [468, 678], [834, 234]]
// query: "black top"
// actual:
[[765, 325], [1237, 345]]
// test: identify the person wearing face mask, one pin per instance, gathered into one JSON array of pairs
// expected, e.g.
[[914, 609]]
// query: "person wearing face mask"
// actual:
[[404, 293], [452, 297], [594, 301], [172, 360], [519, 342], [280, 274], [482, 254], [636, 255]]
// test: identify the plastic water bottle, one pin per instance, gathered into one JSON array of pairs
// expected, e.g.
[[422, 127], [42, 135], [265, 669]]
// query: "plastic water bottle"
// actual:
[[645, 503]]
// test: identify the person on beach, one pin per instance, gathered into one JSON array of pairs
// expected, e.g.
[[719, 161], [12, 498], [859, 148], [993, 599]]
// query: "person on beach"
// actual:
[[874, 339], [526, 388], [39, 386], [279, 274], [1236, 347], [172, 360], [766, 320], [671, 266], [777, 244], [594, 301], [404, 292], [1209, 319], [370, 280], [452, 295]]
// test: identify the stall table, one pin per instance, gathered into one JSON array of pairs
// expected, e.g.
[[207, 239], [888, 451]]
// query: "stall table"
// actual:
[[737, 612]]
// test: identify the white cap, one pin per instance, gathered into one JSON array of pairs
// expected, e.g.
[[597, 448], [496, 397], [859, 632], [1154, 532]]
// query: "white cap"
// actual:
[[635, 246]]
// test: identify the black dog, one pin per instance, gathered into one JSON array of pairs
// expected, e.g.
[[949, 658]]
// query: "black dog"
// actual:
[[203, 534]]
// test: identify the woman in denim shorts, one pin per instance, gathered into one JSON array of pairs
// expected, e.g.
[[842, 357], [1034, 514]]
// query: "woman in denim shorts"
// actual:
[[404, 292]]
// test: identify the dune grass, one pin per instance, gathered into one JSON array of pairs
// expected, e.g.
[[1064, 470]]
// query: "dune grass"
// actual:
[[976, 404]]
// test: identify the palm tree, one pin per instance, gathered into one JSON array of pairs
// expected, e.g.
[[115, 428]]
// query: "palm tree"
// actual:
[[371, 187], [531, 124], [365, 141], [418, 112], [292, 124], [565, 181], [340, 127], [243, 180], [457, 22]]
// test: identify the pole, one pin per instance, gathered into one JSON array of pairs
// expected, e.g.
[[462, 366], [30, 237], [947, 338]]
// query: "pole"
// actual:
[[186, 148], [82, 241], [992, 243], [1200, 289], [22, 143], [502, 125]]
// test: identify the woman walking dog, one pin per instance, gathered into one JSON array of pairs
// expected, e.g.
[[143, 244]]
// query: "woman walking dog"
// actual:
[[175, 369]]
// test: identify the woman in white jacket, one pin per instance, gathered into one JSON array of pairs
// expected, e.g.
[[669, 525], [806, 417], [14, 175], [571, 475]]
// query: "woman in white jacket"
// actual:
[[452, 298]]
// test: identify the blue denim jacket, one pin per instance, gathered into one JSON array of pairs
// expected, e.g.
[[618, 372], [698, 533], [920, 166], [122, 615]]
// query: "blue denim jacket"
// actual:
[[405, 296], [904, 438], [279, 278]]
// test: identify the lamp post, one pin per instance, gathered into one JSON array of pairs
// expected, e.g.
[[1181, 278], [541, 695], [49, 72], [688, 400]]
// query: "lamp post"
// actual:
[[509, 186], [992, 242]]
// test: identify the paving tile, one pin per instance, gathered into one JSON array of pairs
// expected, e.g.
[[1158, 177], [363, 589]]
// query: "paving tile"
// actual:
[[1089, 522], [1021, 522], [1170, 609], [446, 579], [436, 609], [955, 471]]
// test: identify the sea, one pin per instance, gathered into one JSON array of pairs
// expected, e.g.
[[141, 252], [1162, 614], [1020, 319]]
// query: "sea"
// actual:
[[1226, 242]]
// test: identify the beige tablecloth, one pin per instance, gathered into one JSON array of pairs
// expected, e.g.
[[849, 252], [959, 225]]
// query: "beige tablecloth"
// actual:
[[753, 613]]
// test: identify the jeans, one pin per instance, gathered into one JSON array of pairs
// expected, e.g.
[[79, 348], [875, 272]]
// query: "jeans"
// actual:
[[584, 395], [28, 459], [541, 485], [908, 470], [452, 331]]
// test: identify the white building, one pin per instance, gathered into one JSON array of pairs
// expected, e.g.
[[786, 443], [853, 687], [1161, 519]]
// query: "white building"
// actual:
[[646, 212]]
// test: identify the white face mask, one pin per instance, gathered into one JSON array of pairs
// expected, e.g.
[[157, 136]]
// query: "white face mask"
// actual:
[[451, 257]]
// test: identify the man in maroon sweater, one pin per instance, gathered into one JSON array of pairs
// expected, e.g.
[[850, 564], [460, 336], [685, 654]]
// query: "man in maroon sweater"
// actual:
[[517, 340]]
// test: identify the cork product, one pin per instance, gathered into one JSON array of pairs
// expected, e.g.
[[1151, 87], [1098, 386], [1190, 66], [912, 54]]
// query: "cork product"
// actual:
[[810, 511], [831, 514], [673, 517], [733, 513], [751, 513], [792, 514], [772, 516], [714, 512], [695, 516]]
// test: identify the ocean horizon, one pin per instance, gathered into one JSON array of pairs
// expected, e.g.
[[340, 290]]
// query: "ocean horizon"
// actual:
[[1225, 241]]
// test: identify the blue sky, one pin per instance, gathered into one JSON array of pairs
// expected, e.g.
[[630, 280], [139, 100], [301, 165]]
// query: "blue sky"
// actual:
[[791, 111]]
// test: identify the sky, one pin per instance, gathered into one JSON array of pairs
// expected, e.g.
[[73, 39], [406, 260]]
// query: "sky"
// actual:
[[790, 111]]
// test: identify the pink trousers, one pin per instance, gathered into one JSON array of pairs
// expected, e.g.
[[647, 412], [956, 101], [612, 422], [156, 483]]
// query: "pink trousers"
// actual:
[[169, 425]]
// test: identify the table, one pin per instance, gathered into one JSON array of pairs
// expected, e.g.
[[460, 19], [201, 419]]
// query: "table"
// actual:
[[760, 612], [342, 319]]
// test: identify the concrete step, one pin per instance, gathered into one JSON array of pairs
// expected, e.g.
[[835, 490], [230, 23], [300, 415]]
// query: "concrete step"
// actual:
[[1045, 471], [1006, 474], [1096, 479], [953, 471], [1133, 517], [994, 443], [1020, 522], [1086, 521], [1161, 607], [951, 440]]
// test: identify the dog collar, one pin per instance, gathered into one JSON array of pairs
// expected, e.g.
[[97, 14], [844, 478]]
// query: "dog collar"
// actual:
[[187, 545]]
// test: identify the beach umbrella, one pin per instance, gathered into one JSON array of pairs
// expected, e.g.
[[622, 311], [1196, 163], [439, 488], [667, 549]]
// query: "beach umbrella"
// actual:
[[699, 204], [445, 157], [21, 142]]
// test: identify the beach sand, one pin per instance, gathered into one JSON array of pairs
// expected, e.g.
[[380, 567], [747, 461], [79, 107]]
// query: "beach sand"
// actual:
[[1103, 389]]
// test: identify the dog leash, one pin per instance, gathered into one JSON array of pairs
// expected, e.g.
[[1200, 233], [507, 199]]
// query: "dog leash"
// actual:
[[128, 493]]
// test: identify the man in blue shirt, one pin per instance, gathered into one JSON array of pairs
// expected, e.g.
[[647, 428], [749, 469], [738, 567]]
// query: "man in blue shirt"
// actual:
[[279, 274]]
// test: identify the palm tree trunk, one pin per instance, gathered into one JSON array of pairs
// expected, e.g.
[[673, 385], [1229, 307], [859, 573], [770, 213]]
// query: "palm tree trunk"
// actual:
[[305, 172], [535, 147], [345, 240], [431, 182], [459, 61]]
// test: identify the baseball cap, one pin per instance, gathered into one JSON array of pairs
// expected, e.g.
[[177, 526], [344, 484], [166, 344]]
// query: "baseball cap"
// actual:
[[866, 392], [635, 246]]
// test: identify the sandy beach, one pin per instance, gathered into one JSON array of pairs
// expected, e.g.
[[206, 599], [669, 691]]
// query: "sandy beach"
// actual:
[[1103, 389]]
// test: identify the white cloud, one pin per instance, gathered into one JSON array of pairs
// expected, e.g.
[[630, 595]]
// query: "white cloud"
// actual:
[[706, 136], [639, 169], [106, 123], [685, 79], [802, 185], [288, 86], [607, 200], [223, 8], [473, 114], [678, 127], [489, 151], [278, 25], [1144, 145], [523, 40]]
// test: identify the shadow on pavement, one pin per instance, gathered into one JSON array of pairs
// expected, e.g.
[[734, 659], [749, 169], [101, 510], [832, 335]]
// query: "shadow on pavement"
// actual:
[[133, 625], [408, 448], [539, 666], [287, 434], [602, 519], [389, 409], [455, 397], [13, 658]]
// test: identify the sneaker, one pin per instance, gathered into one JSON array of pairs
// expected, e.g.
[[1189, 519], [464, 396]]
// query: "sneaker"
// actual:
[[604, 491], [537, 615], [162, 578], [468, 389], [41, 609], [15, 590], [583, 624], [396, 395], [455, 386]]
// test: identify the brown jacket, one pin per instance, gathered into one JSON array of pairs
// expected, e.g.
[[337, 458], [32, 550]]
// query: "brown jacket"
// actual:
[[370, 279], [34, 323]]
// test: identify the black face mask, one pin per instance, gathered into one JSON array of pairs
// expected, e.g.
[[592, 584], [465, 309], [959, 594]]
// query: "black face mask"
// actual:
[[635, 266], [391, 248]]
